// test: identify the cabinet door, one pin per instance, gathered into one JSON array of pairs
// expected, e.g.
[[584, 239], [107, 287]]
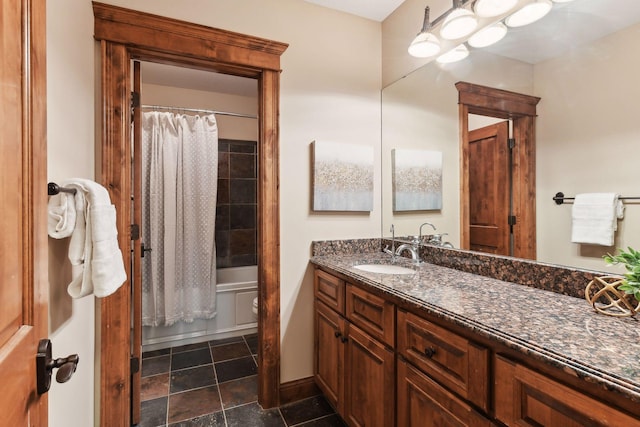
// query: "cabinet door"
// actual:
[[422, 402], [374, 315], [370, 377], [330, 290], [524, 397], [329, 354], [455, 362]]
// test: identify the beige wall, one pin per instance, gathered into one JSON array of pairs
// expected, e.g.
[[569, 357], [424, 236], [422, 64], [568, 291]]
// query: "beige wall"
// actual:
[[588, 134], [329, 90], [70, 140], [229, 127]]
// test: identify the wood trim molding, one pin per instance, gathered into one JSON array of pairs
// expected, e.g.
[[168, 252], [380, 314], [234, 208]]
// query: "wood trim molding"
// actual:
[[493, 102], [184, 39], [293, 391], [521, 109], [125, 34]]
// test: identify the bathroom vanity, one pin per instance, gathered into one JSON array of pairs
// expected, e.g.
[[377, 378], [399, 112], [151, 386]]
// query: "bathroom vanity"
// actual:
[[440, 346]]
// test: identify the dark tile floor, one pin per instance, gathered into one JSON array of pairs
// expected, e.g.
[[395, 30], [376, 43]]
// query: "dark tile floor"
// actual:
[[215, 384]]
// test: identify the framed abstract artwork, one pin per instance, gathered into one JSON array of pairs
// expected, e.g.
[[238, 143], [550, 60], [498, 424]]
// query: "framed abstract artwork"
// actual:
[[342, 177], [417, 180]]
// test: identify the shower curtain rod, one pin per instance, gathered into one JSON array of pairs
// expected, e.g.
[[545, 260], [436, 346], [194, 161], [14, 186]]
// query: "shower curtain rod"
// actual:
[[197, 110]]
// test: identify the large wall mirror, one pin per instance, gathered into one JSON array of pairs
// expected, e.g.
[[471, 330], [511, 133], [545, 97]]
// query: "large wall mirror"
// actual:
[[582, 61]]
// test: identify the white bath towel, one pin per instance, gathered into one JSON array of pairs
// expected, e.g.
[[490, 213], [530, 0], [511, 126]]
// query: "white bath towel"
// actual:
[[61, 215], [96, 259], [595, 218]]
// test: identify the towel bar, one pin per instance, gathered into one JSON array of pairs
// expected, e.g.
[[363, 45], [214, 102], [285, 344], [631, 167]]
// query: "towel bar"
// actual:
[[53, 189], [560, 198]]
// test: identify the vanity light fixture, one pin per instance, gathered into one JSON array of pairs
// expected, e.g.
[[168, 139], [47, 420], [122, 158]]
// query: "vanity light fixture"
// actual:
[[491, 8], [488, 35], [425, 44], [459, 23], [529, 13], [459, 53]]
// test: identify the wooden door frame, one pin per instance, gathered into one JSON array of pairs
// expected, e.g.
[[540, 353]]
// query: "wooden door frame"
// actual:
[[521, 109], [124, 35]]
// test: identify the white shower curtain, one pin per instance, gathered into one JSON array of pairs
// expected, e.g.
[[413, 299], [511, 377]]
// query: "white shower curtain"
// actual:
[[179, 186]]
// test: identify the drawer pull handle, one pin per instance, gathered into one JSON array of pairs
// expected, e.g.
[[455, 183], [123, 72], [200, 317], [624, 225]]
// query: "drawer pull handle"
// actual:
[[429, 352], [337, 334], [344, 339]]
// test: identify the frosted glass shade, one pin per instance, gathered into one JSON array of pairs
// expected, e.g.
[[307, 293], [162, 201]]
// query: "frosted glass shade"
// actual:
[[491, 8], [529, 13], [459, 23], [424, 45], [455, 55], [488, 36]]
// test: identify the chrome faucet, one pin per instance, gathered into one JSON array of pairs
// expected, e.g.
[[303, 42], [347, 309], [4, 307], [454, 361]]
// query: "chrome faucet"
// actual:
[[413, 249], [391, 251], [420, 231]]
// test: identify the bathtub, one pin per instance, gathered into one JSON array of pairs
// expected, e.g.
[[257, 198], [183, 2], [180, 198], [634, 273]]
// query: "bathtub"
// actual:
[[235, 290]]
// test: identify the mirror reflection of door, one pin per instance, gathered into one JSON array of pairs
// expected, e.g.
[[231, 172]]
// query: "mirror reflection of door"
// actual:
[[489, 189], [497, 180]]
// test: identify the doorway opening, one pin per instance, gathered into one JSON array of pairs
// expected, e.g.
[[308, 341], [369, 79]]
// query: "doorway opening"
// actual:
[[125, 35]]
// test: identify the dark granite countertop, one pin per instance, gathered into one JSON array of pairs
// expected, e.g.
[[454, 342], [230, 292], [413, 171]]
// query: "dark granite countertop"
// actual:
[[558, 329]]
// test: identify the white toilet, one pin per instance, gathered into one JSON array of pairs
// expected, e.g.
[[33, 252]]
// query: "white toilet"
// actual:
[[254, 307]]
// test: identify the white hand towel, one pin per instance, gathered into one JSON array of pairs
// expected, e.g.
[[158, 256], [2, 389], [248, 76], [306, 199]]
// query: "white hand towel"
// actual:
[[595, 218], [96, 259], [61, 215]]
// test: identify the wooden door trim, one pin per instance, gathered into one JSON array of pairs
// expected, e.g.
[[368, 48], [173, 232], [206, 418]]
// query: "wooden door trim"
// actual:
[[521, 109], [125, 34]]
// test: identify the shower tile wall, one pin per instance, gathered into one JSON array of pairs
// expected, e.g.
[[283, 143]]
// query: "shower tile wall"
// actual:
[[236, 213]]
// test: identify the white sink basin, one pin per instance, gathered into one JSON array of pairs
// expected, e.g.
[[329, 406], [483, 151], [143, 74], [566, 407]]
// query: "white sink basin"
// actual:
[[384, 268]]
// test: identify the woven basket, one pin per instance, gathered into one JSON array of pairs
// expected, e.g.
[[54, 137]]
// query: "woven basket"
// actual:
[[605, 297]]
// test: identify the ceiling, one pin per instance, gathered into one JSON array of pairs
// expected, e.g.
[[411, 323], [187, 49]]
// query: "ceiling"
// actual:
[[376, 10]]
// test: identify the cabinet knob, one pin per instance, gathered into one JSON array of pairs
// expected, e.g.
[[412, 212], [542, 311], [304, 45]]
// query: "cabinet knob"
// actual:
[[429, 352], [344, 339], [337, 334]]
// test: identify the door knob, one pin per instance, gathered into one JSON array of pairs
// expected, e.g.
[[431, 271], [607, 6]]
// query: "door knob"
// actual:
[[45, 365]]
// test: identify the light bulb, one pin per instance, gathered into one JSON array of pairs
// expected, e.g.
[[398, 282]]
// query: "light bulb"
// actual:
[[424, 45], [529, 13], [488, 36], [491, 8], [459, 23]]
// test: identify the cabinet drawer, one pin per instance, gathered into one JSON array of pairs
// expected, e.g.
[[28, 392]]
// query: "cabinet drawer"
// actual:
[[455, 362], [421, 399], [524, 397], [330, 290], [372, 314]]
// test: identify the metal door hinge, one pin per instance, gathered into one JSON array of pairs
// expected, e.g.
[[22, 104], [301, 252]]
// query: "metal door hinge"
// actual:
[[511, 143], [135, 365], [135, 100], [512, 220], [135, 231]]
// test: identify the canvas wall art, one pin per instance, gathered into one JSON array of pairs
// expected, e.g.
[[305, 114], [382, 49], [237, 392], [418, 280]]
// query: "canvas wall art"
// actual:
[[417, 180], [342, 177]]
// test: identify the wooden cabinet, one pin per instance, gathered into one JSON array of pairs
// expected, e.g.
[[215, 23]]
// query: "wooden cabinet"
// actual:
[[354, 370], [457, 363], [439, 377], [422, 402], [524, 397]]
